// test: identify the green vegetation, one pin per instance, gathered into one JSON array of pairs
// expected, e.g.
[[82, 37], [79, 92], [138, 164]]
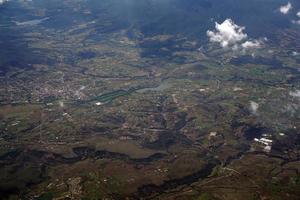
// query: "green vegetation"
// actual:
[[46, 196]]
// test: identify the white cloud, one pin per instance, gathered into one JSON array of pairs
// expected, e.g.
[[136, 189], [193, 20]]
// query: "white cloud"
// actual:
[[296, 21], [295, 93], [295, 53], [230, 35], [227, 33], [286, 8], [3, 1], [252, 44], [254, 107]]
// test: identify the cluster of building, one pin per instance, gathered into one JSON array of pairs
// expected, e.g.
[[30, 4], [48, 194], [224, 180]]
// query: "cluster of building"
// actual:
[[266, 142]]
